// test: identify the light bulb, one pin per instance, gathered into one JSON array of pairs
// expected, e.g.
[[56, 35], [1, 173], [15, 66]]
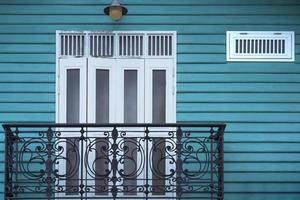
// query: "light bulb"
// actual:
[[115, 12]]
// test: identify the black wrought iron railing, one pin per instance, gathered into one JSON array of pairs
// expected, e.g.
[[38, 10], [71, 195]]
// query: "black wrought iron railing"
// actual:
[[114, 161]]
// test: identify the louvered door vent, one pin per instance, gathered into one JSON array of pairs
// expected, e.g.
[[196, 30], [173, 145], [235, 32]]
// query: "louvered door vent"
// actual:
[[260, 46], [117, 44], [131, 45], [72, 44], [159, 45], [101, 45]]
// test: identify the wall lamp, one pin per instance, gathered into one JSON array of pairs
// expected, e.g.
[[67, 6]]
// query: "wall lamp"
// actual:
[[115, 10]]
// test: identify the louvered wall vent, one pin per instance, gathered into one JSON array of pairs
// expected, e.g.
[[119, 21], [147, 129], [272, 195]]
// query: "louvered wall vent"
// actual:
[[130, 44], [260, 46], [72, 44]]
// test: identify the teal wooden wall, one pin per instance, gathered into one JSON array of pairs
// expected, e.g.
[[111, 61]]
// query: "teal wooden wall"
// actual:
[[260, 102]]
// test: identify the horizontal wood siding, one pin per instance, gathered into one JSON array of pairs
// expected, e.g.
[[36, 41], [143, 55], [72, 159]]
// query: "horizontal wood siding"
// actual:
[[260, 102]]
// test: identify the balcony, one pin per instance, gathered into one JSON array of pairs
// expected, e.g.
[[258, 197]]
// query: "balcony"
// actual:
[[114, 161]]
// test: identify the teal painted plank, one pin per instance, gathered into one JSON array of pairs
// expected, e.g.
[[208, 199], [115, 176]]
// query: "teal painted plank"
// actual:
[[263, 157], [200, 58], [27, 87], [267, 177], [33, 58], [261, 196], [263, 127], [27, 48], [197, 20], [260, 137], [200, 48], [26, 107], [241, 117], [272, 78], [261, 187], [205, 29], [246, 67], [239, 97], [27, 67], [264, 147], [263, 138], [27, 97], [238, 87], [152, 9], [27, 38], [201, 39], [214, 38], [158, 2], [28, 78], [235, 106], [27, 117], [263, 167]]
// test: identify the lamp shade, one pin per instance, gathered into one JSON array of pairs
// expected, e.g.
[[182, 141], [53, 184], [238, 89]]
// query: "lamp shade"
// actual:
[[115, 10]]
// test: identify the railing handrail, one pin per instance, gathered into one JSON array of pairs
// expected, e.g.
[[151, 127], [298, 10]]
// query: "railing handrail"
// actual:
[[53, 125]]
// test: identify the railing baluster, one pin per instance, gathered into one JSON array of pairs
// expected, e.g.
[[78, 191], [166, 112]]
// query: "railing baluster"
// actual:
[[81, 139], [114, 163], [179, 163], [147, 162]]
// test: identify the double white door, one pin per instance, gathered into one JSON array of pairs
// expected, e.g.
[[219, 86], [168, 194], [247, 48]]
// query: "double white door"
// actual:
[[108, 90]]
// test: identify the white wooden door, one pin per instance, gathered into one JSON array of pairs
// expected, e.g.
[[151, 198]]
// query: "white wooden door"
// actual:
[[72, 105], [120, 78]]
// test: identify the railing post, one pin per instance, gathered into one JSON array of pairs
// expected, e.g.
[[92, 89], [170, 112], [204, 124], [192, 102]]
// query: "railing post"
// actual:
[[8, 182], [220, 162], [211, 164]]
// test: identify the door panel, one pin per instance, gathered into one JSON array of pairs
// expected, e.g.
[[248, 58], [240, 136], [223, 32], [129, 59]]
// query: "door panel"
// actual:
[[100, 106], [154, 70], [159, 81], [71, 101], [101, 71], [130, 109]]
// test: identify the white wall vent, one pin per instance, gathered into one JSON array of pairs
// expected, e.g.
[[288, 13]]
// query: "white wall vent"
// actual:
[[116, 44], [72, 44], [260, 46]]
